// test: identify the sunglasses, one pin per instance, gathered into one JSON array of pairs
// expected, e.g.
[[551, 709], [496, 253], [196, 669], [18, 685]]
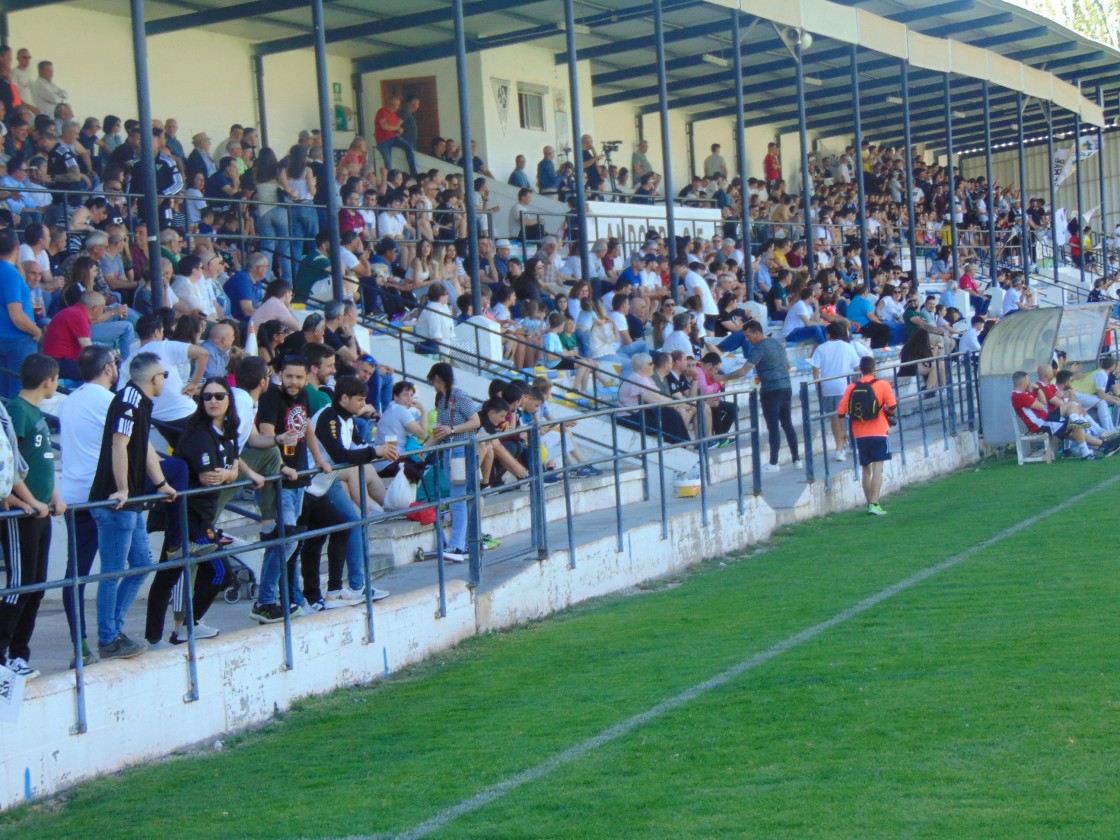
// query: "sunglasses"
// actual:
[[211, 396]]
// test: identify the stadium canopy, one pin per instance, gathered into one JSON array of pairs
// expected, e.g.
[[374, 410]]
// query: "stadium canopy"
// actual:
[[975, 40]]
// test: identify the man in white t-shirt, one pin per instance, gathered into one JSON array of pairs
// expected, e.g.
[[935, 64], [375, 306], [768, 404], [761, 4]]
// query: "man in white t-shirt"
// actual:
[[629, 346], [192, 288], [81, 417], [694, 283], [400, 417], [1105, 396], [176, 402], [834, 361], [800, 325]]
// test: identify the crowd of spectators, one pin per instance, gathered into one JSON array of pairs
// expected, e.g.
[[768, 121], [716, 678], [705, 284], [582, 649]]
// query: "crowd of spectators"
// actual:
[[238, 384]]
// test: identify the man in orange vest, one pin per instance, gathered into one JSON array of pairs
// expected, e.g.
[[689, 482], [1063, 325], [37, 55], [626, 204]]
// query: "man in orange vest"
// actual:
[[871, 404]]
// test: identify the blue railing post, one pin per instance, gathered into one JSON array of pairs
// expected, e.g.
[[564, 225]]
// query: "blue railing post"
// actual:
[[81, 726], [188, 598], [441, 569], [738, 461], [285, 593], [644, 449], [617, 485], [363, 510], [702, 447], [969, 378], [474, 525], [661, 482], [536, 492], [951, 407], [568, 520], [807, 428], [756, 445]]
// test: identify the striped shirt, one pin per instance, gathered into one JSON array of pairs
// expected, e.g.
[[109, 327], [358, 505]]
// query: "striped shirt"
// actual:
[[130, 414]]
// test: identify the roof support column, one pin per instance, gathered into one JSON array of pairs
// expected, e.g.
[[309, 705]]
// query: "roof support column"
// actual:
[[806, 177], [258, 76], [1025, 235], [149, 201], [326, 126], [468, 156], [358, 87], [741, 149], [907, 141], [1077, 181], [861, 209], [1049, 111], [993, 258], [1100, 175], [952, 178], [666, 147], [577, 138]]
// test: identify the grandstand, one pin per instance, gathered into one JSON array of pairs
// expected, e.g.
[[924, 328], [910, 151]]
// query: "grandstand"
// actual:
[[960, 151]]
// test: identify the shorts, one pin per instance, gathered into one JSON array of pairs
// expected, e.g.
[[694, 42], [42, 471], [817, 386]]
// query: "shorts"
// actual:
[[830, 405], [873, 449], [1057, 428]]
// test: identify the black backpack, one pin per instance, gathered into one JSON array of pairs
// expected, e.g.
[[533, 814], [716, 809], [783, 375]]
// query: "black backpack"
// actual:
[[863, 403]]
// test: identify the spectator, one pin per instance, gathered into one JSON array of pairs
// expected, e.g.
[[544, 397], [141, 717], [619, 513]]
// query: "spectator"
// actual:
[[714, 164], [271, 217], [548, 182], [801, 324], [209, 448], [69, 332], [518, 178], [478, 166], [218, 346], [245, 289], [870, 402], [47, 95], [410, 133], [320, 370], [24, 77], [456, 421], [27, 543], [174, 401], [768, 359], [435, 326], [387, 131], [639, 162], [312, 331], [199, 162], [194, 289], [236, 133], [276, 306], [284, 415], [834, 362], [1066, 422], [19, 335], [126, 455], [299, 182], [639, 391]]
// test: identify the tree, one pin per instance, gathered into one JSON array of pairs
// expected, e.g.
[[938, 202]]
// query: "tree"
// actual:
[[1096, 19]]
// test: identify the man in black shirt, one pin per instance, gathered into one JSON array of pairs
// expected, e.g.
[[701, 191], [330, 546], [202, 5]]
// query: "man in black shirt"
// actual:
[[284, 414], [126, 457]]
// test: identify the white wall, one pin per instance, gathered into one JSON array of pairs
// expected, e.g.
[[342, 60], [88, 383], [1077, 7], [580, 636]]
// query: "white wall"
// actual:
[[1005, 170], [204, 79]]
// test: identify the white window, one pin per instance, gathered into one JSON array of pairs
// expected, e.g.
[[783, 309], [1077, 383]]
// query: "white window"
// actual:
[[530, 106]]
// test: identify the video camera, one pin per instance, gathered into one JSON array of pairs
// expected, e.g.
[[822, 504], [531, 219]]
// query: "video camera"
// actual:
[[611, 146]]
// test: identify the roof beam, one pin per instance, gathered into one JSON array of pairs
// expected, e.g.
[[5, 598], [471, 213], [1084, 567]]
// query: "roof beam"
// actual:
[[951, 8], [1012, 37], [221, 14], [7, 6], [382, 26], [716, 27], [950, 29], [1044, 51]]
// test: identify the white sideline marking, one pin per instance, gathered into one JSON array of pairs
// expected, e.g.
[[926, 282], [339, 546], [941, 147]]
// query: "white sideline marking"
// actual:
[[497, 791]]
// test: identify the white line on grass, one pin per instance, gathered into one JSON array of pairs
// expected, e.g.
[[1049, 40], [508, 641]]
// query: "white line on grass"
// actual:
[[497, 791]]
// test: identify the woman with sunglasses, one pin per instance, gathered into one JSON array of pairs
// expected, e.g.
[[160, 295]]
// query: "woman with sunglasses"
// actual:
[[209, 447]]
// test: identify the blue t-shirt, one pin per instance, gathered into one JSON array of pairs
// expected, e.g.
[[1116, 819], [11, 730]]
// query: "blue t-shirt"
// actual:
[[241, 287], [858, 310], [13, 289]]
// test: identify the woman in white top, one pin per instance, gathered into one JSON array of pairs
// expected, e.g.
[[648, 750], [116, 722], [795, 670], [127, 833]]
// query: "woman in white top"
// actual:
[[436, 324], [425, 269], [604, 337], [298, 181], [451, 270]]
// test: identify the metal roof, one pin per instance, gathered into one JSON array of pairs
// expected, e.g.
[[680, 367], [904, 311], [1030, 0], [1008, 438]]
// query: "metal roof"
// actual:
[[617, 37]]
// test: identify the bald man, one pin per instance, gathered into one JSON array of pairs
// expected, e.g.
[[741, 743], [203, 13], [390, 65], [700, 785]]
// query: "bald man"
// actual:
[[218, 345]]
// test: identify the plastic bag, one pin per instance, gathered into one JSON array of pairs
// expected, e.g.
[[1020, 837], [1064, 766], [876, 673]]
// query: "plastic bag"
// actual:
[[401, 493]]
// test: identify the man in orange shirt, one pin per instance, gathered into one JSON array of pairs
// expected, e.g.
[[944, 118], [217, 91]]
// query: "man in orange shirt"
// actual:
[[871, 404]]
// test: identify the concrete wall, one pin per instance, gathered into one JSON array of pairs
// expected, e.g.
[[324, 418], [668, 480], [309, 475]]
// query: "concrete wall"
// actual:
[[242, 677], [204, 79]]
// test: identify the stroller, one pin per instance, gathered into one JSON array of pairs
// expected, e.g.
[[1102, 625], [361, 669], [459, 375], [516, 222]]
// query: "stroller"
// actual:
[[242, 582]]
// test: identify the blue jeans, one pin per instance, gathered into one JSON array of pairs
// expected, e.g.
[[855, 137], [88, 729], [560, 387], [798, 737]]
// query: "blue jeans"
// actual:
[[291, 503], [273, 229], [85, 544], [305, 227], [122, 538], [355, 568], [12, 353], [386, 150], [379, 390], [633, 348], [113, 332], [458, 509], [817, 334]]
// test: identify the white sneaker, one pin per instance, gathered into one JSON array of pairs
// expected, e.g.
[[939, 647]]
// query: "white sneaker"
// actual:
[[342, 598], [202, 631], [380, 594], [771, 468], [21, 668], [797, 465], [841, 455]]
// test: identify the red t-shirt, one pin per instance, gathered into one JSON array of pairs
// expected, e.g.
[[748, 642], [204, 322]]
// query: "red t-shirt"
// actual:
[[772, 168], [350, 219], [1023, 403], [969, 285], [1049, 391], [390, 118], [63, 332]]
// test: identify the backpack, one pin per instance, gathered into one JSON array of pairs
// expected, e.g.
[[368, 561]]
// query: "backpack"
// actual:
[[863, 403]]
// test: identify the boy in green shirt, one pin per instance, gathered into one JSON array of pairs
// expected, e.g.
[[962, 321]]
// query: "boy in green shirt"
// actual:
[[28, 545]]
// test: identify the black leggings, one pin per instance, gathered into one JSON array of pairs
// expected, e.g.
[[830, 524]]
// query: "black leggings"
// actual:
[[211, 577], [879, 335], [777, 408]]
